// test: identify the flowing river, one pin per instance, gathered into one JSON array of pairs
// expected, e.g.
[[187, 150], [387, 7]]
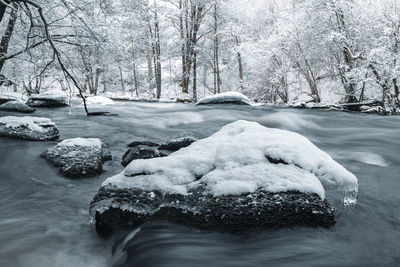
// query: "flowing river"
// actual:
[[44, 218]]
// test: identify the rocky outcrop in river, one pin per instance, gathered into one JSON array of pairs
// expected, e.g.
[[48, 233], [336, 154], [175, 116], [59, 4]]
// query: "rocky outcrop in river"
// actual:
[[55, 98], [148, 149], [245, 213], [16, 106], [28, 128], [4, 98], [243, 178], [78, 157]]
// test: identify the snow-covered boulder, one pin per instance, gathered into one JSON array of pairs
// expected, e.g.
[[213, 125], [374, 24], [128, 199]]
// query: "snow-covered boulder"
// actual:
[[183, 98], [242, 178], [16, 106], [99, 100], [371, 109], [4, 98], [54, 98], [225, 98], [79, 157], [28, 128]]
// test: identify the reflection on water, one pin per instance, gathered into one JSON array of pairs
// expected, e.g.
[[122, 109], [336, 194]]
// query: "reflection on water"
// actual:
[[44, 218]]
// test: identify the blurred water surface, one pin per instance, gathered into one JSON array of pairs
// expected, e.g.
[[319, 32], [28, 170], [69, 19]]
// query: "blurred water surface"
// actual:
[[44, 219]]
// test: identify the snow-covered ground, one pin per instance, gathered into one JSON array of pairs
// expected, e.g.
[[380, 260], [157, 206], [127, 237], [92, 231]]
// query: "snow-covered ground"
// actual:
[[242, 157]]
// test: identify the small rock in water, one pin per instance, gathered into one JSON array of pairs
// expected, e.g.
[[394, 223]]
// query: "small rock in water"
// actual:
[[78, 157], [28, 128], [139, 152], [177, 142], [144, 143], [16, 106], [184, 98], [148, 149]]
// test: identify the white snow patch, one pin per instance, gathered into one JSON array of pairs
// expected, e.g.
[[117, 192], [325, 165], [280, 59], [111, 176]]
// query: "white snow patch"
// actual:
[[234, 161], [33, 123], [99, 100], [225, 97], [85, 142]]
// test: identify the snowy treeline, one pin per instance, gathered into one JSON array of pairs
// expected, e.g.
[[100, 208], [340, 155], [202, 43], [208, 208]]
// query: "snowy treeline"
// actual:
[[271, 50]]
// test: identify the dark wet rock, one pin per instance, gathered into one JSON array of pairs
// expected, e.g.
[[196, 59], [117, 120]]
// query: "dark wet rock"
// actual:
[[124, 209], [16, 106], [148, 149], [139, 152], [144, 143], [54, 98], [177, 142], [79, 157], [28, 128]]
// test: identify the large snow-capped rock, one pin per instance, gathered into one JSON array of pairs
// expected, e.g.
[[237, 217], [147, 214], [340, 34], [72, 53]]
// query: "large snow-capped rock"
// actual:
[[79, 157], [225, 98], [4, 98], [54, 98], [16, 106], [243, 177], [28, 128]]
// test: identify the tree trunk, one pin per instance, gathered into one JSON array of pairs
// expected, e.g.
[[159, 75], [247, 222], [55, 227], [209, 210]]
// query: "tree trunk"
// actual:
[[349, 61], [96, 81], [121, 77], [157, 48], [5, 40], [240, 66], [217, 78], [3, 8], [150, 69], [195, 76], [135, 80], [183, 48], [396, 92]]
